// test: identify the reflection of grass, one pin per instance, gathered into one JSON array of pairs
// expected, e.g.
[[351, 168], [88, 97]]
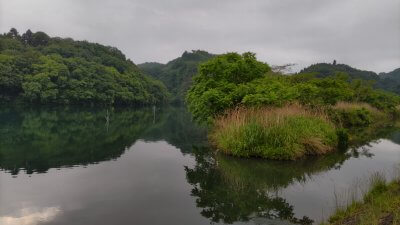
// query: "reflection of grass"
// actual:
[[275, 174], [359, 137], [285, 133], [381, 205]]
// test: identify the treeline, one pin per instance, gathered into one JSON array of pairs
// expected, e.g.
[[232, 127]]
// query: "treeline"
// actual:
[[177, 74], [40, 69], [386, 81]]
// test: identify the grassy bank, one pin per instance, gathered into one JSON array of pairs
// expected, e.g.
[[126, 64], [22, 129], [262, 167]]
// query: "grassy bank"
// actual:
[[294, 131], [380, 206], [285, 133]]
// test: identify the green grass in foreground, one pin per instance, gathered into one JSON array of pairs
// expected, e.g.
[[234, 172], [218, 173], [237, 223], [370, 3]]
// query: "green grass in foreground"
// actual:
[[381, 206], [285, 133]]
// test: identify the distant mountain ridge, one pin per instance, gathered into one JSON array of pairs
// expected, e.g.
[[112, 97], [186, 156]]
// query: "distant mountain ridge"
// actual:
[[326, 69], [386, 81], [177, 74]]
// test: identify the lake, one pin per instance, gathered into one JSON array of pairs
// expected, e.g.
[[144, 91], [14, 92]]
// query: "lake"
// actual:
[[77, 165]]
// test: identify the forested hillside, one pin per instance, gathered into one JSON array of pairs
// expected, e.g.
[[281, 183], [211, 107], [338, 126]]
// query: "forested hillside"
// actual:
[[177, 74], [325, 69], [390, 81], [386, 81], [37, 68]]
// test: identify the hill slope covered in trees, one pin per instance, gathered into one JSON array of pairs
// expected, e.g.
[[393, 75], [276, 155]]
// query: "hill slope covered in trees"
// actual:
[[37, 68], [177, 74], [386, 81], [390, 81]]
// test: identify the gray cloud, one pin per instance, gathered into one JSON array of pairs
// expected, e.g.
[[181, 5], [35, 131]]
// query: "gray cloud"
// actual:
[[362, 33]]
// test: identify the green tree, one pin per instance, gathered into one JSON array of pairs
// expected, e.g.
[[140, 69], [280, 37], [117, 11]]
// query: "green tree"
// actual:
[[27, 37], [40, 38], [13, 33], [217, 84]]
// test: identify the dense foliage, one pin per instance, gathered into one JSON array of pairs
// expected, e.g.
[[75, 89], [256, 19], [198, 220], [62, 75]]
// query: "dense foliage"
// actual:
[[231, 80], [386, 81], [37, 68], [222, 83], [177, 74]]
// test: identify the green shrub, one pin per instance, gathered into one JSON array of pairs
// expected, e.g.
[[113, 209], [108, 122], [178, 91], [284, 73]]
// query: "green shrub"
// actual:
[[221, 83], [352, 118], [356, 115]]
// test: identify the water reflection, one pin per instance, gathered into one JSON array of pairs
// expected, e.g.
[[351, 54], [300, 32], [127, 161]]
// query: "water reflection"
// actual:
[[229, 189], [140, 176], [36, 139], [226, 197]]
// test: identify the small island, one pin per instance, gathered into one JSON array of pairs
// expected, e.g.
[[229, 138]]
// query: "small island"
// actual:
[[256, 112]]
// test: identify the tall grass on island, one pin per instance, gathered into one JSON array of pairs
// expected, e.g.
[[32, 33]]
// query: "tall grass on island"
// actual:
[[380, 205], [286, 133], [294, 131]]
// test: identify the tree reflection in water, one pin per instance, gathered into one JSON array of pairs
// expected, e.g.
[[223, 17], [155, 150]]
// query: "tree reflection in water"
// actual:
[[230, 189], [39, 138], [228, 197]]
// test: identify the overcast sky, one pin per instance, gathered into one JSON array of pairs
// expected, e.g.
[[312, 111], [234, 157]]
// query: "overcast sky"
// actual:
[[362, 33]]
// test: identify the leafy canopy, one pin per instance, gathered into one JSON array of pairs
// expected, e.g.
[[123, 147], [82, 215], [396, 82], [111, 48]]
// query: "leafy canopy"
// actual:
[[221, 81], [37, 68]]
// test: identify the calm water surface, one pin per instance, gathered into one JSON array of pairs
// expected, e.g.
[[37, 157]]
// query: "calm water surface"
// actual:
[[153, 166]]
